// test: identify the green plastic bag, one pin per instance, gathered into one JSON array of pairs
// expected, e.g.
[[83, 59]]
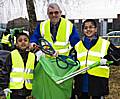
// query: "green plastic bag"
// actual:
[[45, 76]]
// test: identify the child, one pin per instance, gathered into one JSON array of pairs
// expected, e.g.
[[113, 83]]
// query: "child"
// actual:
[[20, 66], [93, 84]]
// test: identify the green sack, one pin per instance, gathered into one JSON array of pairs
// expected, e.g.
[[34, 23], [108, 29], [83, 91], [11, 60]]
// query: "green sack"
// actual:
[[45, 76]]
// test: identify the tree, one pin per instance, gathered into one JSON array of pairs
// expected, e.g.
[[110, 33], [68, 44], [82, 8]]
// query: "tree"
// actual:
[[31, 15]]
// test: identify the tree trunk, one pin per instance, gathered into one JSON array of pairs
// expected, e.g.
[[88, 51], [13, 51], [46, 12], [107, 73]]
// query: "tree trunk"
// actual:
[[31, 14]]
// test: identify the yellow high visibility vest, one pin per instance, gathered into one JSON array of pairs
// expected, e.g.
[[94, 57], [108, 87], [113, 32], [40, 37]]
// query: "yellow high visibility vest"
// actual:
[[19, 74], [5, 39], [88, 57], [62, 44]]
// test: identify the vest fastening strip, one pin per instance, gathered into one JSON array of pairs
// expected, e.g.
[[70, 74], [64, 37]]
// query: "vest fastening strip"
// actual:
[[103, 49]]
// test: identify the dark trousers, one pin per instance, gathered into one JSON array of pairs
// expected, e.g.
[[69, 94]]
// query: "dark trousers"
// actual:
[[85, 96], [17, 97], [20, 93]]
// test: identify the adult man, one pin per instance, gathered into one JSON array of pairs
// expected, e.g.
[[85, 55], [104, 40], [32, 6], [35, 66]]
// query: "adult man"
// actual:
[[61, 33], [58, 31]]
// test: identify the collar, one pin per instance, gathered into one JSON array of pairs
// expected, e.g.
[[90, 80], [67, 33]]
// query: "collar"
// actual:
[[94, 38], [57, 24], [89, 43]]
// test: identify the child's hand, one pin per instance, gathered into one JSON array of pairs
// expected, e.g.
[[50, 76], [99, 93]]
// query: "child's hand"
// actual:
[[31, 45], [103, 61], [34, 47]]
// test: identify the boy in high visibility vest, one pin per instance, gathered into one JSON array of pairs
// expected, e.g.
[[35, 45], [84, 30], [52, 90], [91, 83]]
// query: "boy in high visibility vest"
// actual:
[[20, 66], [93, 84]]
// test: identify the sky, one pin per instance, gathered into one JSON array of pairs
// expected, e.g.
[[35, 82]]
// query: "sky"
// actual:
[[73, 9]]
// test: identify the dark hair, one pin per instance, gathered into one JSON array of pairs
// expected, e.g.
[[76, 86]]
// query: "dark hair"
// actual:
[[16, 32], [93, 21], [22, 33], [7, 31]]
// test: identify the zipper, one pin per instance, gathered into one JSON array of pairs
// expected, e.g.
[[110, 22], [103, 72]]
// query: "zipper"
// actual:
[[86, 59]]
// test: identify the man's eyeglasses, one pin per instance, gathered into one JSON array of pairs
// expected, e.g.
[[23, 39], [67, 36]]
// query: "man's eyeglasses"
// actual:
[[56, 12]]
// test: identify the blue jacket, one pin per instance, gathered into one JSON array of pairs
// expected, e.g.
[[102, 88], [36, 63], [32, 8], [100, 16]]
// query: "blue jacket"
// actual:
[[88, 44]]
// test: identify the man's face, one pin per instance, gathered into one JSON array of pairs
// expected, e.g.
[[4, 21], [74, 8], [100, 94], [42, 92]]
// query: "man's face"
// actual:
[[89, 29], [54, 14]]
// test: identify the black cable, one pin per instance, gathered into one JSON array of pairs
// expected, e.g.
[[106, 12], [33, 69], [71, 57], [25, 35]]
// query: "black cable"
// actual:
[[47, 48]]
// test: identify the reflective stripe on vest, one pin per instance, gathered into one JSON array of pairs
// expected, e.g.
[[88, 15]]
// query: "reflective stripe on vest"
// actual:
[[88, 57], [62, 44], [19, 74]]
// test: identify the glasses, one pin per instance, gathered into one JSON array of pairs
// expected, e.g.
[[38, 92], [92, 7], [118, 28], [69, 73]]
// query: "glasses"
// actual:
[[56, 12], [91, 27]]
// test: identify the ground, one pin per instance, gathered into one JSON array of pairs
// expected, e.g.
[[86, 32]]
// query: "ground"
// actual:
[[114, 83]]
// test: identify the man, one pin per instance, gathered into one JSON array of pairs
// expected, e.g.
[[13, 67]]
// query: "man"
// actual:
[[62, 35], [58, 31]]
